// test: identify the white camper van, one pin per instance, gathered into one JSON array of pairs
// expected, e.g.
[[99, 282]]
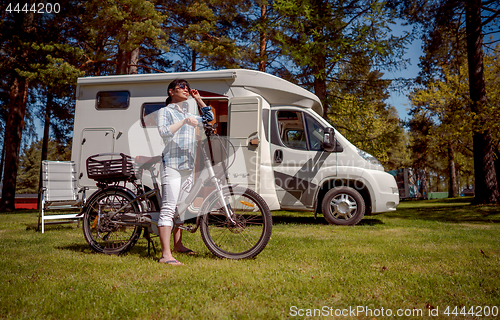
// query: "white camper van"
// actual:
[[285, 150]]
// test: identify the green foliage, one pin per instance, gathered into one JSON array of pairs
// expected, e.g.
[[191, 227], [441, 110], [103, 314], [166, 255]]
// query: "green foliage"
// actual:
[[318, 35], [379, 132], [30, 160], [358, 111], [111, 28], [427, 254], [207, 33], [445, 105], [453, 31]]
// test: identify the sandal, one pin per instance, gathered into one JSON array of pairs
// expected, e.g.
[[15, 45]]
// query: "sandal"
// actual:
[[172, 262]]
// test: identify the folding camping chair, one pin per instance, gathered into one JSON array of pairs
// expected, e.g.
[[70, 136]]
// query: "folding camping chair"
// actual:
[[59, 191]]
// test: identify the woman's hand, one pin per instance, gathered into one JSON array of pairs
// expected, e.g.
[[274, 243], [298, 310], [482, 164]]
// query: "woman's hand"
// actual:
[[195, 94], [192, 121]]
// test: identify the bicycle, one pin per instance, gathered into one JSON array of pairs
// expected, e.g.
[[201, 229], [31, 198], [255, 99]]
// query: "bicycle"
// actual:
[[235, 222]]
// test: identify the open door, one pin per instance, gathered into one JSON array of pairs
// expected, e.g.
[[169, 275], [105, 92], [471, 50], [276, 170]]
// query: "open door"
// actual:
[[244, 132]]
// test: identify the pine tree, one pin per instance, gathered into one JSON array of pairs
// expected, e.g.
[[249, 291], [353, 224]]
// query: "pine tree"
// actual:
[[30, 163], [18, 32], [318, 35], [119, 37], [32, 51], [207, 34], [358, 111]]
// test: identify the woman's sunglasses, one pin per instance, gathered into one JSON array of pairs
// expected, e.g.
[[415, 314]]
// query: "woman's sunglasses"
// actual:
[[184, 86]]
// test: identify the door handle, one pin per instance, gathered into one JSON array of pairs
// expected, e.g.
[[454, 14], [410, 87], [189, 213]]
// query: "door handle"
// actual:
[[254, 142], [278, 156]]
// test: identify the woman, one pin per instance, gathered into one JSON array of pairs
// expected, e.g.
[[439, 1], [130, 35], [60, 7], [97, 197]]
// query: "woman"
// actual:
[[177, 127]]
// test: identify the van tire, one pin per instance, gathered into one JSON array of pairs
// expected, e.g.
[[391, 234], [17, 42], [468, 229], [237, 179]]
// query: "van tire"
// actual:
[[343, 206]]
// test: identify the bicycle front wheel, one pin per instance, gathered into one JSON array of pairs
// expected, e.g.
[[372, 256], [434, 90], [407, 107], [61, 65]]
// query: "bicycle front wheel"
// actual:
[[249, 232], [111, 234]]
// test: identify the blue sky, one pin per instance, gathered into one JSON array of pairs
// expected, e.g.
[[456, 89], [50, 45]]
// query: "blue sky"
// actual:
[[413, 53]]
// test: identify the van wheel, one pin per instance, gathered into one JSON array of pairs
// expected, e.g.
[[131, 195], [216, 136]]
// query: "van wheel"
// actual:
[[343, 206]]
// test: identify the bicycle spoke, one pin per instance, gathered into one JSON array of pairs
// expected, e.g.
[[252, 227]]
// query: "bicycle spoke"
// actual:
[[103, 224]]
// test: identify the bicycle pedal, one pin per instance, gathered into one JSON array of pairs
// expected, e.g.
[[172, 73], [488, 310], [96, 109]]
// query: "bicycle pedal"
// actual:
[[186, 228]]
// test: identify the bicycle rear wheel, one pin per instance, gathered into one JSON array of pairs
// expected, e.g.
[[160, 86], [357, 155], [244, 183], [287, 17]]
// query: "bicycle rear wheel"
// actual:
[[250, 233], [109, 235]]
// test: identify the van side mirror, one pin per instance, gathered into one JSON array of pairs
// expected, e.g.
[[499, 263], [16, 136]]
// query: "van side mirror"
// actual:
[[329, 139]]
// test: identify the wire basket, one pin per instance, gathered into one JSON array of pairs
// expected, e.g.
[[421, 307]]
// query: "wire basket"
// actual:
[[110, 167]]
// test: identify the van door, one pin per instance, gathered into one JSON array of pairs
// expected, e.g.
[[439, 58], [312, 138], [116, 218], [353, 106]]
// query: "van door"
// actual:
[[244, 132], [94, 141], [297, 156]]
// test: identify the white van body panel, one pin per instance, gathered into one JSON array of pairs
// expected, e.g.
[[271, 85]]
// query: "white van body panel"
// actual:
[[253, 98]]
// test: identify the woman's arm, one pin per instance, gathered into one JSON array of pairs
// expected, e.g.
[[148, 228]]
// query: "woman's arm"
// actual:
[[196, 95], [176, 126], [167, 127], [205, 110]]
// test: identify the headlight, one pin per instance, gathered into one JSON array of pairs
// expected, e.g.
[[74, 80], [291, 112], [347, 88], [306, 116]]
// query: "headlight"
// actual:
[[368, 157]]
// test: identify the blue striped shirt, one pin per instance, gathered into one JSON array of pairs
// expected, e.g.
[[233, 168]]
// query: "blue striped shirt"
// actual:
[[179, 147]]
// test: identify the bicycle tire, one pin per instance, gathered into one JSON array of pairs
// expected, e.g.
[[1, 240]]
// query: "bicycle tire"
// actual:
[[248, 237], [103, 234]]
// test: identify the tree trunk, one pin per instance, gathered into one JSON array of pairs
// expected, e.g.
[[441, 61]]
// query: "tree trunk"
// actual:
[[134, 61], [263, 37], [486, 187], [452, 189], [2, 158], [193, 61], [45, 142], [46, 126], [13, 135], [320, 91], [497, 166], [127, 61], [319, 60]]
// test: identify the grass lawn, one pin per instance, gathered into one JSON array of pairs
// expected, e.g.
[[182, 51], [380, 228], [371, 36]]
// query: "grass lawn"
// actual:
[[425, 259]]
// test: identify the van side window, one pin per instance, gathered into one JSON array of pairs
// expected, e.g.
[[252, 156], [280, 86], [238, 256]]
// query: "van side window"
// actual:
[[149, 112], [112, 100], [300, 131], [291, 129], [315, 132]]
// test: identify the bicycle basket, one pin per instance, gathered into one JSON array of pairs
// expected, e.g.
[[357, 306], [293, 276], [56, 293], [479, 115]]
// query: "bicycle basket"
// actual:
[[110, 167]]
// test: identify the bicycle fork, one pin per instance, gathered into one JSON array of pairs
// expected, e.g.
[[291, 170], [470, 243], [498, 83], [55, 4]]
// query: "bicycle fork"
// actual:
[[227, 207]]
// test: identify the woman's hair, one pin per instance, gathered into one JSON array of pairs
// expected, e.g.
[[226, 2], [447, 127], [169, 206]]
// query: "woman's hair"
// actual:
[[172, 86]]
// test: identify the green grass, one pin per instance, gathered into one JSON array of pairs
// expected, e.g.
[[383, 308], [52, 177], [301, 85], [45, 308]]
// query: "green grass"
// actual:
[[427, 254]]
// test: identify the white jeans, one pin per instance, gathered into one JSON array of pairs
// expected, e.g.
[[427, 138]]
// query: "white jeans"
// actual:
[[171, 182]]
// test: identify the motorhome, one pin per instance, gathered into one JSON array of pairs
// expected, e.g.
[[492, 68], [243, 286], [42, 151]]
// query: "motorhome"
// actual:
[[285, 150]]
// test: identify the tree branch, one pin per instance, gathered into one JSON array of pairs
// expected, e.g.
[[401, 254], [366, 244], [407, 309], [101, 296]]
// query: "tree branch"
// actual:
[[491, 18], [490, 9], [493, 32], [146, 67], [492, 42], [486, 3]]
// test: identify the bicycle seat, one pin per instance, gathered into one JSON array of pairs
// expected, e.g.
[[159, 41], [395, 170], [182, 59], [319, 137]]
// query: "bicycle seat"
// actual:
[[146, 162]]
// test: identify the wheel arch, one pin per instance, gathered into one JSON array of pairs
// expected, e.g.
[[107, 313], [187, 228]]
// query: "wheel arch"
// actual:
[[356, 184]]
